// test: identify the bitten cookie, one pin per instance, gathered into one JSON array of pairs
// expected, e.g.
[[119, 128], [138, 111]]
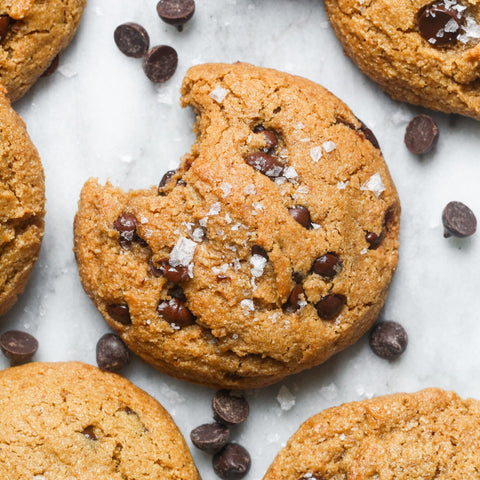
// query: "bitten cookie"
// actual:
[[422, 52], [270, 249], [431, 434], [32, 34], [71, 420], [22, 202]]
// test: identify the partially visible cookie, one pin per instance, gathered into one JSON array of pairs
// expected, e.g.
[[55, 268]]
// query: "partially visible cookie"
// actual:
[[431, 434], [422, 52], [32, 34], [71, 420], [269, 250], [22, 202]]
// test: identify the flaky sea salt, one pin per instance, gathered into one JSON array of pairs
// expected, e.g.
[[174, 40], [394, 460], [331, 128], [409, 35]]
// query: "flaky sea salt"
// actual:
[[329, 146], [228, 219], [342, 185], [374, 184], [258, 264], [182, 253], [250, 189], [363, 251], [198, 234], [247, 304], [316, 153], [290, 172], [299, 126], [226, 189], [203, 221], [315, 226], [215, 209], [219, 94], [285, 398], [302, 189], [329, 392], [470, 30]]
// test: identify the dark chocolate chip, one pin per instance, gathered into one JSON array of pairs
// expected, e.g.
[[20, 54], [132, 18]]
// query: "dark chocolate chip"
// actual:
[[172, 274], [369, 135], [126, 225], [19, 347], [132, 39], [175, 312], [327, 265], [210, 437], [176, 12], [52, 67], [221, 278], [374, 240], [301, 215], [229, 408], [297, 277], [176, 291], [89, 433], [265, 163], [330, 306], [388, 340], [294, 299], [112, 353], [120, 313], [165, 180], [182, 183], [435, 19], [421, 134], [458, 220], [312, 477], [160, 63], [129, 411], [258, 128], [232, 462], [258, 250], [271, 140], [4, 24]]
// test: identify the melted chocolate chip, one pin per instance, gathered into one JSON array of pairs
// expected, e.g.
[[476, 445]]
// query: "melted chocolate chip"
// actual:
[[369, 135], [294, 299], [176, 12], [165, 180], [388, 340], [175, 312], [421, 134], [232, 462], [312, 477], [327, 265], [458, 220], [374, 240], [160, 63], [172, 274], [132, 39], [439, 24], [228, 408], [221, 278], [301, 215], [258, 128], [265, 163], [120, 313], [19, 347], [258, 250], [52, 67], [210, 437], [271, 140], [89, 433], [126, 225], [330, 306], [112, 353], [4, 25]]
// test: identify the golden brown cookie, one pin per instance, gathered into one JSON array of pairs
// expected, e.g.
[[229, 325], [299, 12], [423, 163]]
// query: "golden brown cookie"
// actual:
[[32, 34], [22, 202], [431, 434], [71, 420], [422, 52], [269, 250]]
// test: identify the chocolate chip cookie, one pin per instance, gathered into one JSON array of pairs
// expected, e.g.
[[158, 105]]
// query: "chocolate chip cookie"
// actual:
[[430, 434], [70, 420], [271, 248], [22, 202], [32, 34], [422, 52]]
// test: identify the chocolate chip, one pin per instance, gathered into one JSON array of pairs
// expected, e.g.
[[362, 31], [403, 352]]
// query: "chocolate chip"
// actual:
[[312, 477], [327, 265], [52, 67], [126, 225], [165, 180], [232, 462], [458, 220], [221, 278], [301, 215], [176, 12], [271, 140], [132, 39], [388, 340], [112, 353], [438, 24], [19, 347], [258, 128], [4, 24], [258, 250], [229, 408], [330, 306], [210, 437], [89, 433], [374, 240], [160, 63], [172, 274], [175, 312], [421, 134], [120, 313], [265, 163], [176, 291], [294, 299], [369, 135]]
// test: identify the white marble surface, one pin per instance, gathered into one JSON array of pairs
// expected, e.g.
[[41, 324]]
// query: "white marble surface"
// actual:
[[100, 116]]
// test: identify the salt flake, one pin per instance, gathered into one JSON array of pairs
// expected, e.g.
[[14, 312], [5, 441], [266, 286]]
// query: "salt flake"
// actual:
[[219, 94], [290, 172], [226, 189], [285, 398], [329, 146], [316, 153], [258, 264], [182, 253], [247, 304], [374, 184]]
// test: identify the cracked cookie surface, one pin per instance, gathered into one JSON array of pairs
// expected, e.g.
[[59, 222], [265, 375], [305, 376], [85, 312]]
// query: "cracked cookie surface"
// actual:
[[22, 201], [32, 34], [71, 420], [271, 248], [431, 434], [422, 52]]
